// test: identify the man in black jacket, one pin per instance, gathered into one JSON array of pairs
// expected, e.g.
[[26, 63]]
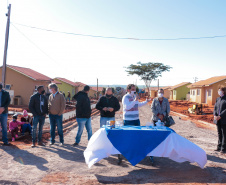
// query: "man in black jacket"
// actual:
[[38, 106], [220, 119], [83, 113], [4, 103], [107, 105]]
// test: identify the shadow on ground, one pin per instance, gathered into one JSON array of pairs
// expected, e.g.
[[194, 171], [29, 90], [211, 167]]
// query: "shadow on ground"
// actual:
[[26, 158], [164, 171]]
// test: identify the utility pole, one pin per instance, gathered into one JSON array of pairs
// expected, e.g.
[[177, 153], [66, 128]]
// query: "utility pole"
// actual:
[[195, 79], [97, 90], [158, 84], [6, 47]]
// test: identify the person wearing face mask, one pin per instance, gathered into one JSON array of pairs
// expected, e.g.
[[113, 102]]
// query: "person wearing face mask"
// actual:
[[107, 105], [4, 103], [160, 107], [57, 105], [38, 105], [26, 127], [220, 119], [130, 106]]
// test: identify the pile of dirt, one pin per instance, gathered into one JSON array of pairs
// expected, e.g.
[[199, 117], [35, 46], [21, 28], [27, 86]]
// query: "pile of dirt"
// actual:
[[182, 106]]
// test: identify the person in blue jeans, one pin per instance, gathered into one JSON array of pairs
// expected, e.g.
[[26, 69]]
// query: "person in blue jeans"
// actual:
[[26, 127], [83, 114], [4, 103], [57, 104], [108, 105], [38, 105]]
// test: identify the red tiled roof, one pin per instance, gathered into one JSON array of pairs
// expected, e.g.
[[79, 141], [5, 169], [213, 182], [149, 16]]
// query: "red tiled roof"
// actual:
[[179, 85], [56, 82], [79, 84], [30, 73], [156, 88], [66, 81], [208, 81], [76, 84]]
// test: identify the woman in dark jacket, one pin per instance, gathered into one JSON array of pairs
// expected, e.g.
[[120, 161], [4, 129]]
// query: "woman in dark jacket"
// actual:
[[220, 119]]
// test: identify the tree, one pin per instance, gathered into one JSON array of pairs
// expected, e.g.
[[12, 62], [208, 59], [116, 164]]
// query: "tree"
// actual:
[[147, 71]]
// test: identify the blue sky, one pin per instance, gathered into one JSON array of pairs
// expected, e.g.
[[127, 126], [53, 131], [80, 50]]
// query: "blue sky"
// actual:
[[84, 58]]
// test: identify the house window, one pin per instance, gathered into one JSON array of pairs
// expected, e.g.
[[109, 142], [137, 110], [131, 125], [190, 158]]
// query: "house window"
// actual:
[[209, 92], [198, 92], [174, 92], [8, 87], [193, 92]]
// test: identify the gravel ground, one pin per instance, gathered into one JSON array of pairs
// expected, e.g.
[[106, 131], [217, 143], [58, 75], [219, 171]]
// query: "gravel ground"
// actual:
[[66, 164]]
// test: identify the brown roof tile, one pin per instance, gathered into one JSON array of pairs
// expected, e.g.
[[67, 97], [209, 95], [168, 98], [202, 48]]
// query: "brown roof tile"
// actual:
[[66, 81], [30, 73], [56, 82], [208, 81], [179, 85]]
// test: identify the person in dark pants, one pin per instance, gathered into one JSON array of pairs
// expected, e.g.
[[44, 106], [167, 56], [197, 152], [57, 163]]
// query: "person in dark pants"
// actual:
[[220, 119], [107, 105], [83, 113], [68, 96], [57, 105], [38, 106], [4, 103], [26, 127]]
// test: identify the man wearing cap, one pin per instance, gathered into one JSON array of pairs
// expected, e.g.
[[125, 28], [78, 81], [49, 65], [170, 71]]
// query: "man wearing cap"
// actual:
[[38, 106], [4, 103]]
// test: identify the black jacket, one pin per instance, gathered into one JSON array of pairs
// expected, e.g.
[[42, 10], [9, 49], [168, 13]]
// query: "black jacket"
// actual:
[[108, 102], [83, 108], [5, 101], [220, 105], [34, 105]]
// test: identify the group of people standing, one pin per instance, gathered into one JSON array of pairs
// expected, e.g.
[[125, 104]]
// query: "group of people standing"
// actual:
[[40, 106], [107, 104]]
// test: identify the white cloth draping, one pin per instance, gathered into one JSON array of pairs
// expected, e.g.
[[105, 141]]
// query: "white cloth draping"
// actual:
[[174, 147]]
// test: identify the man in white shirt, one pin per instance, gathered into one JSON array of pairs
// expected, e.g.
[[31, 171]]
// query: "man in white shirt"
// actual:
[[130, 106]]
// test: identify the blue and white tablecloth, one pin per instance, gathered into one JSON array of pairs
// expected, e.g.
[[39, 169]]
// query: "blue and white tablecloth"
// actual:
[[135, 143]]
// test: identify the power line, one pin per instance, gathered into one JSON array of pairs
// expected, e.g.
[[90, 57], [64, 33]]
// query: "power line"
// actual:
[[34, 44], [124, 38]]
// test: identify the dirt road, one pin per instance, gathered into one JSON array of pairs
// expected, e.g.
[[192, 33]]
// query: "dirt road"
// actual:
[[66, 165]]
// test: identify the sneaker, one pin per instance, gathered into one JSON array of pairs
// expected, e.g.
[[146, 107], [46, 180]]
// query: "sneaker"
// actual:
[[16, 136], [75, 144], [13, 139], [41, 144], [6, 144], [61, 144], [223, 151], [33, 145], [51, 143]]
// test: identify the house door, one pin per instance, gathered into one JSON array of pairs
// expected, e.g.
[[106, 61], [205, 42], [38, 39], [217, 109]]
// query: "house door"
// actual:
[[206, 96]]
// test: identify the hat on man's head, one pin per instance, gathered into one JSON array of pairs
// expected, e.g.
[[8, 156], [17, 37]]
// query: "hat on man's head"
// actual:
[[25, 114], [15, 116]]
